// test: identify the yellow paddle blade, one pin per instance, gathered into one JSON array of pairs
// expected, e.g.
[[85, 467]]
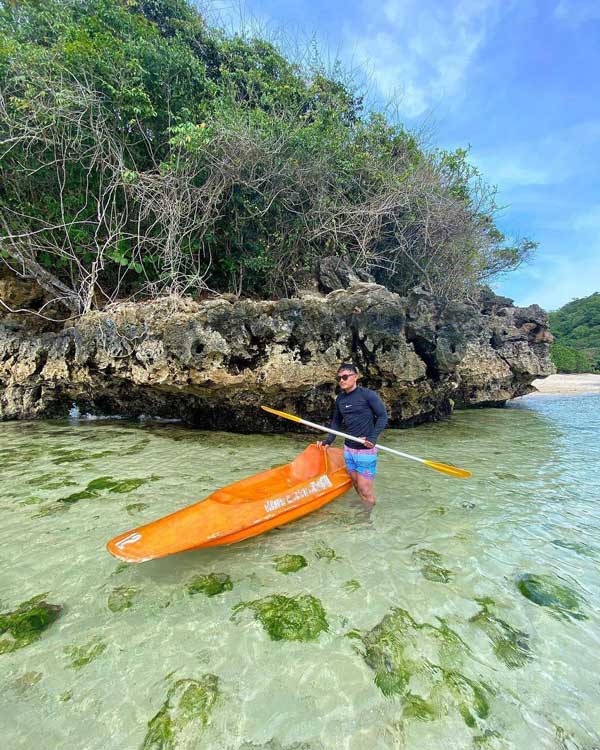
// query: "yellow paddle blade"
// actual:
[[453, 471], [283, 414]]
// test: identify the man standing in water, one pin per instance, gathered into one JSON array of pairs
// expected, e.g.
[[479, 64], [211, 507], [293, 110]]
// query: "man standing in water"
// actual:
[[361, 413]]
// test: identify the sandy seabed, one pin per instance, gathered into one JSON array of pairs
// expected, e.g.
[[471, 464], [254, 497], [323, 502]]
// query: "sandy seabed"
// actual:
[[566, 385]]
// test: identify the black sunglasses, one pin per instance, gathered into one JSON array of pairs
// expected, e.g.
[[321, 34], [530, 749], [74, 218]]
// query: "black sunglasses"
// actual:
[[345, 377]]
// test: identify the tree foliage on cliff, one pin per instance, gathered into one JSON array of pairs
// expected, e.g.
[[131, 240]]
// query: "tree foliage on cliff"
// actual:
[[143, 152], [576, 328]]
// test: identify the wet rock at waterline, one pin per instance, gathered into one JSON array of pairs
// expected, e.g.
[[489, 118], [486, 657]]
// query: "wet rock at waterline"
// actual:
[[288, 618], [213, 363], [184, 714], [26, 624]]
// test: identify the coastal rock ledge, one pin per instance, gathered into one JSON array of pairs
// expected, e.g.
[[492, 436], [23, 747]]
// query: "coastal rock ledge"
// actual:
[[213, 363]]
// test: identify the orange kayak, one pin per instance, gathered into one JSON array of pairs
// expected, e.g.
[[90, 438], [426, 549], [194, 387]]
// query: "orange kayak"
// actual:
[[242, 509]]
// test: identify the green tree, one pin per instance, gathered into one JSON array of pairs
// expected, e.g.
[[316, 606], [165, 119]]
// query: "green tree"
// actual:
[[143, 152]]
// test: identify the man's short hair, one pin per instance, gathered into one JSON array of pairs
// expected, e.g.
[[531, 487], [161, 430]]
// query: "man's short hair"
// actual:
[[347, 366]]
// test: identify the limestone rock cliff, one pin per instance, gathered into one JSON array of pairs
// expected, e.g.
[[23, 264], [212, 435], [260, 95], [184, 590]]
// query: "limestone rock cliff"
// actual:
[[213, 363]]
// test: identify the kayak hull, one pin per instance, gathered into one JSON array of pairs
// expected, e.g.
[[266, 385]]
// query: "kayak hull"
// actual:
[[241, 510]]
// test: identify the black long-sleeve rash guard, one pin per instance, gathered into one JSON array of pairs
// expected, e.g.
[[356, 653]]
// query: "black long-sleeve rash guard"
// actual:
[[361, 413]]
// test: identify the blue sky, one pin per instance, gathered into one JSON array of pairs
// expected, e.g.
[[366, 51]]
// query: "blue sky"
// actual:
[[517, 80]]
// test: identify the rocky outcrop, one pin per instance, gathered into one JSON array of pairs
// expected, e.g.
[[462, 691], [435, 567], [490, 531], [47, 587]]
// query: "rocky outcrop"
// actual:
[[213, 363]]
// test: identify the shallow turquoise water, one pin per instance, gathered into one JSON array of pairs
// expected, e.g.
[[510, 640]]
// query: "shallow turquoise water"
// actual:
[[429, 641]]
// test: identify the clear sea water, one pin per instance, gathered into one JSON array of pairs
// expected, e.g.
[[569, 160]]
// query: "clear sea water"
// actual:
[[422, 596]]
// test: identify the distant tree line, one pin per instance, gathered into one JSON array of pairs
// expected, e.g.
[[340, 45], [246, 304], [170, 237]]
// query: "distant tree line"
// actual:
[[576, 328], [144, 153]]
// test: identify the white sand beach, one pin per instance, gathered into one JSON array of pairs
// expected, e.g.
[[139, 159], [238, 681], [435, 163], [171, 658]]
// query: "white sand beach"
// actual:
[[566, 385]]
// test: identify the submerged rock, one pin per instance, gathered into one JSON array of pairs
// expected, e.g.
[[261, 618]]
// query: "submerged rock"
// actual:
[[27, 623], [547, 591], [407, 656], [82, 655], [511, 645], [134, 508], [289, 563], [103, 484], [295, 618], [210, 584], [432, 570], [323, 552], [580, 547], [213, 363], [25, 682], [184, 714], [436, 574], [275, 745], [121, 598]]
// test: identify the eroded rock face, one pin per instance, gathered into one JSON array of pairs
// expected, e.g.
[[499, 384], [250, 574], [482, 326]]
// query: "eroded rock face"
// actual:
[[213, 363]]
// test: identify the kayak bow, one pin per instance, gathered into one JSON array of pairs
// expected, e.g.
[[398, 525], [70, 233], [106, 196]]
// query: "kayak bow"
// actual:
[[242, 509]]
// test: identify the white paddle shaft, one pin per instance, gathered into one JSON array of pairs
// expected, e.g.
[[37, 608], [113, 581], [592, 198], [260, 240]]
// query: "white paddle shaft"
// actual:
[[359, 440]]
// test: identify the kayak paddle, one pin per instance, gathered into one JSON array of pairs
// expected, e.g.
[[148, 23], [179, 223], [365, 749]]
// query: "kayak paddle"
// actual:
[[452, 471]]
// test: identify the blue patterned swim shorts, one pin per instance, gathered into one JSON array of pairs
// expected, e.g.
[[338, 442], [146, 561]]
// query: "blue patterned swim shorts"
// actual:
[[364, 462]]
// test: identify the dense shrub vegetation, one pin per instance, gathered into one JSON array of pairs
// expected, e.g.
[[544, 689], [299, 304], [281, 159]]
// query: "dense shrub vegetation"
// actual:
[[142, 152], [576, 327]]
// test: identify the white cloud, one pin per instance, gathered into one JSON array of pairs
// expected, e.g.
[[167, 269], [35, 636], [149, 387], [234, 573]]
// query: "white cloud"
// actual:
[[553, 280], [550, 159], [576, 12], [422, 50]]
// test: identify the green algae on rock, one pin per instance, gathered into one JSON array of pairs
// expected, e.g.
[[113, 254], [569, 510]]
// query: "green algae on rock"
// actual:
[[469, 695], [289, 563], [323, 552], [491, 740], [399, 650], [511, 645], [210, 584], [50, 481], [580, 547], [103, 484], [273, 744], [351, 585], [425, 555], [75, 497], [121, 598], [414, 707], [436, 574], [27, 623], [127, 485], [185, 712], [82, 655], [66, 456], [134, 508], [289, 618], [25, 682], [547, 591], [432, 570]]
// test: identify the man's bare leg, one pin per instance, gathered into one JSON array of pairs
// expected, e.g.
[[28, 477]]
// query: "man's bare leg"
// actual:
[[365, 489], [354, 478]]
